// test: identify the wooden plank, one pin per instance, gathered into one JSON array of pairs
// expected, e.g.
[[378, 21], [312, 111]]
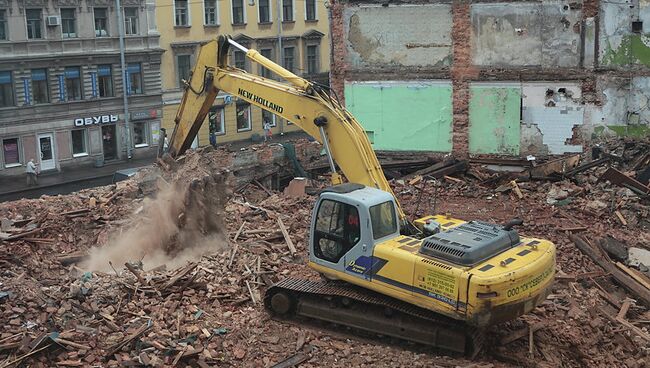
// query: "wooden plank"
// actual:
[[626, 307], [287, 239], [640, 291], [292, 361], [620, 217], [518, 334], [633, 275], [239, 231]]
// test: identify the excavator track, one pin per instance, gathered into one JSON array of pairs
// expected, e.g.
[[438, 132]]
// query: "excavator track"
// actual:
[[349, 305]]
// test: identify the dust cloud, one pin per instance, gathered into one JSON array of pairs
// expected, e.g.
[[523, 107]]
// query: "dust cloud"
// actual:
[[183, 222]]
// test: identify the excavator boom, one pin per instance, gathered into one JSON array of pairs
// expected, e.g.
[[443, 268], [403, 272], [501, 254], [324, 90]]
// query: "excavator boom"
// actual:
[[307, 105]]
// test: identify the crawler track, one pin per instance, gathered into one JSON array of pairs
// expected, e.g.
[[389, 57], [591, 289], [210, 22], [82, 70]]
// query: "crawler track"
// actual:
[[362, 309]]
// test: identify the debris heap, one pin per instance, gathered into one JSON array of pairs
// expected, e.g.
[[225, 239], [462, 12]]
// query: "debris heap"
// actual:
[[206, 309]]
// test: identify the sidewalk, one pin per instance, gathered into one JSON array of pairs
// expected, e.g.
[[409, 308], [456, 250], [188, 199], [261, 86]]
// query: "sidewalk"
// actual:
[[13, 186], [73, 179]]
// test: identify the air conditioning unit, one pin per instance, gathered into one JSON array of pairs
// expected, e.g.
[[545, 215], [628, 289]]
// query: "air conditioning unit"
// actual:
[[53, 20]]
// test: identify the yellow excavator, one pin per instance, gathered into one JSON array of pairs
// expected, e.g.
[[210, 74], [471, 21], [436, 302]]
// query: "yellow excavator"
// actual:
[[437, 280]]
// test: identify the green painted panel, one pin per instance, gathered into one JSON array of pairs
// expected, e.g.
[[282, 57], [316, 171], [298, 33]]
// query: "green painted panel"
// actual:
[[494, 120], [403, 116], [632, 50]]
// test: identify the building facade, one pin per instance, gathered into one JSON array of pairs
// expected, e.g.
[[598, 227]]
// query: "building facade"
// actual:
[[61, 86], [300, 27], [484, 77]]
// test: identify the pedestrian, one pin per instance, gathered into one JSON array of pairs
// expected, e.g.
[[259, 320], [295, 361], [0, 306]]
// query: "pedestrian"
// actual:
[[31, 172], [267, 131]]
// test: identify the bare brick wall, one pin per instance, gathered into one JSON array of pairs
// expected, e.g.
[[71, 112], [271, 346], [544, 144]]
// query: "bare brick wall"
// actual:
[[338, 68], [462, 72]]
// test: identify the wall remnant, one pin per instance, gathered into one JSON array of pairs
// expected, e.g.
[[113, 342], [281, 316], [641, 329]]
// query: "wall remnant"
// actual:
[[581, 51]]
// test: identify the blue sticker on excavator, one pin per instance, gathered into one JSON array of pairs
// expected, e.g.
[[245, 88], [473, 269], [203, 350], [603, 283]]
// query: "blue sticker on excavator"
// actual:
[[365, 265]]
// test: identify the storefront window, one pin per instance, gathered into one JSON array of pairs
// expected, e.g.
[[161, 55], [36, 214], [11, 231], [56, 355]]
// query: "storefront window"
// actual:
[[10, 152], [243, 117], [79, 143], [140, 134]]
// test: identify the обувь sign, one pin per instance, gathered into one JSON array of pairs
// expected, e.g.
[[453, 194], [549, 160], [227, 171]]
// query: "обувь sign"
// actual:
[[102, 119]]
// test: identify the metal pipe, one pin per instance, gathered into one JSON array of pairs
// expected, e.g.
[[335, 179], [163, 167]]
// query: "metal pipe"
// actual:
[[120, 22], [326, 144]]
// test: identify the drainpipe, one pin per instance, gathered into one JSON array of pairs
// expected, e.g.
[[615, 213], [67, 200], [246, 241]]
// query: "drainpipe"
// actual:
[[120, 22], [280, 50]]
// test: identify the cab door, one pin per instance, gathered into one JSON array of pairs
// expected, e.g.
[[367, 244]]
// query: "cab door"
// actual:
[[339, 237]]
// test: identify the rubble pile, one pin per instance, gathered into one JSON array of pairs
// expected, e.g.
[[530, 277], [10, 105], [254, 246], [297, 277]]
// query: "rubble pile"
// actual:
[[208, 310]]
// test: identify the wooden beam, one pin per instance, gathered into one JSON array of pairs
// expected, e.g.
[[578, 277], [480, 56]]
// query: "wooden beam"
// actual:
[[640, 291]]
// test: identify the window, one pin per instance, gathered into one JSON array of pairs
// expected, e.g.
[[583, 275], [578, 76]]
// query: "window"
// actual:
[[34, 23], [140, 135], [131, 21], [215, 120], [287, 10], [240, 59], [101, 22], [105, 80], [68, 23], [289, 58], [40, 89], [73, 88], [312, 59], [134, 79], [79, 143], [383, 219], [181, 13], [11, 152], [269, 117], [243, 117], [264, 9], [310, 9], [337, 230], [237, 11], [210, 8], [184, 65], [6, 90], [267, 53], [3, 24]]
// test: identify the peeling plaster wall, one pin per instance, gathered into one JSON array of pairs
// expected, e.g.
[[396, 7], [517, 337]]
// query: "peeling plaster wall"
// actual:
[[403, 115], [619, 45], [555, 110], [526, 34], [402, 35], [625, 108]]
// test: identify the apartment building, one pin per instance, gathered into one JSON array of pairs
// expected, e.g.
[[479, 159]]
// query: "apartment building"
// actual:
[[293, 33], [61, 85]]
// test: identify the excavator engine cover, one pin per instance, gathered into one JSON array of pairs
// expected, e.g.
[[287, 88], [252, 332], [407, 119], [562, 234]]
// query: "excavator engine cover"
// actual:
[[469, 243]]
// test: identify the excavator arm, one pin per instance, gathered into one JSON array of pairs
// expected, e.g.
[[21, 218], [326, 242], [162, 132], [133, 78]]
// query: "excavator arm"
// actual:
[[307, 105]]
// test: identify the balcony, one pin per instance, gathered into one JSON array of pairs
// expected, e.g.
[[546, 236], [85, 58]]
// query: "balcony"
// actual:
[[74, 46]]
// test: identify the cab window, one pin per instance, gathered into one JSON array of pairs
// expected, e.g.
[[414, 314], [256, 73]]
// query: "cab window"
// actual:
[[337, 230], [383, 219]]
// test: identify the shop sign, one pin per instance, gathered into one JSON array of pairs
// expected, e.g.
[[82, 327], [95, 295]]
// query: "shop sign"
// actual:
[[102, 119], [144, 115]]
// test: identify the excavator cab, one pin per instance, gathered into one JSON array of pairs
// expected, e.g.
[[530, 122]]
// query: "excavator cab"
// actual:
[[348, 220]]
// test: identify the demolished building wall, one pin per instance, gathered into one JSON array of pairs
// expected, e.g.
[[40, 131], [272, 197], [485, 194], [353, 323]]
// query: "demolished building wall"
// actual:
[[587, 48]]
